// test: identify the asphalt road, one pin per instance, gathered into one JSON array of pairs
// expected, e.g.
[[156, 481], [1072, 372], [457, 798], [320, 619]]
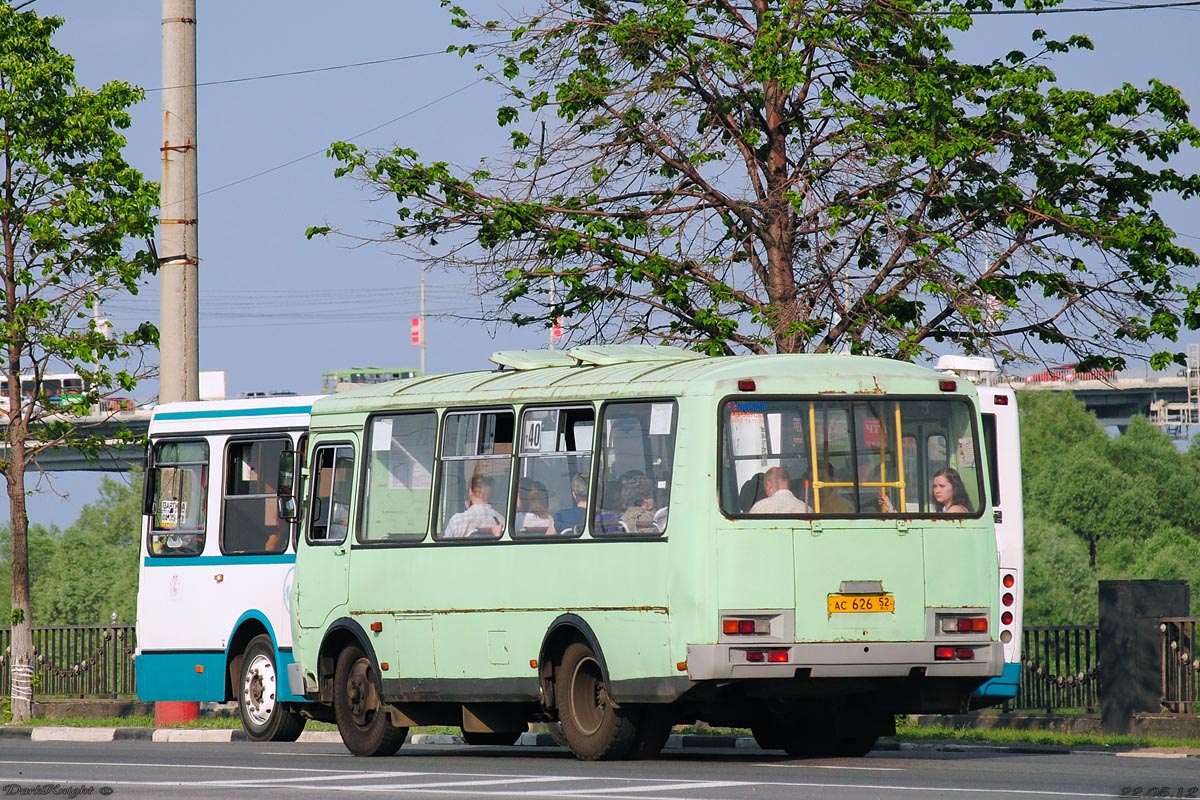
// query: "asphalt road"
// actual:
[[150, 769]]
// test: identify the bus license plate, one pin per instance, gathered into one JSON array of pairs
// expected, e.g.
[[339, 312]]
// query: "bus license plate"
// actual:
[[861, 603]]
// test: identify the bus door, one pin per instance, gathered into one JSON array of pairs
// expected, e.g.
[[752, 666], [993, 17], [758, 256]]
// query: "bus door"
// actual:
[[323, 583]]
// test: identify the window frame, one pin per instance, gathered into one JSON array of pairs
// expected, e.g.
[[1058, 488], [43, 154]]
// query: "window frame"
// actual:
[[599, 469], [314, 487], [394, 539]]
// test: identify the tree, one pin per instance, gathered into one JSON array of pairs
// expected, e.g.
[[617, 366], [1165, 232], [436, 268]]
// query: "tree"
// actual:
[[94, 570], [68, 204], [787, 176]]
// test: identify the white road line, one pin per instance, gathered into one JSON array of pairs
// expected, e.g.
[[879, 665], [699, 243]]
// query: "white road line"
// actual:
[[833, 766], [685, 785], [507, 782]]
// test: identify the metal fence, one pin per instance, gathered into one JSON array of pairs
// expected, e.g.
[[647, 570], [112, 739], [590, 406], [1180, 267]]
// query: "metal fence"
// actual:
[[1180, 670], [77, 660], [1058, 669]]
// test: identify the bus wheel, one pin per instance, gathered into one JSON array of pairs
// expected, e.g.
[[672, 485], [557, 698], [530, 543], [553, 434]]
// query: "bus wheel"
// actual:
[[365, 728], [594, 726], [264, 717], [654, 729], [491, 739]]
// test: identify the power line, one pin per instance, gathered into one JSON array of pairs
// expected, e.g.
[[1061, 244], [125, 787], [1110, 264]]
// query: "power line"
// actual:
[[300, 71], [323, 150]]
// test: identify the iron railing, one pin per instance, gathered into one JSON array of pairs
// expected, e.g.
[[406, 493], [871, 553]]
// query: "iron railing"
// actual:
[[76, 660], [1058, 669], [1180, 669]]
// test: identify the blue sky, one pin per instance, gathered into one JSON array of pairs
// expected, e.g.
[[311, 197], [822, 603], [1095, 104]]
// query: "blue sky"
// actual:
[[278, 310]]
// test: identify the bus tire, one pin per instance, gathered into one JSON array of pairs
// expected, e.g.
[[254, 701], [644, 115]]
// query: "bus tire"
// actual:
[[491, 739], [594, 726], [264, 717], [365, 727], [654, 728]]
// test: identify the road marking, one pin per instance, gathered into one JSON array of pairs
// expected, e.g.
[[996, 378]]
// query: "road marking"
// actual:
[[838, 767], [685, 785]]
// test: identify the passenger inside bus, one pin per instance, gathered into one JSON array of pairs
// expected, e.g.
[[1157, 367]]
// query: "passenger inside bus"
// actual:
[[779, 499], [949, 493], [478, 518], [533, 512], [637, 495], [570, 520]]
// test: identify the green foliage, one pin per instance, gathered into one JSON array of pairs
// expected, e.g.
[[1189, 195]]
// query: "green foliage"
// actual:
[[69, 207], [805, 178], [81, 575], [1100, 508]]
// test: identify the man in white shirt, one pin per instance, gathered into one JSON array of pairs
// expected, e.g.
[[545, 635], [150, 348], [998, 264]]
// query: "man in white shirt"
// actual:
[[779, 499], [478, 516]]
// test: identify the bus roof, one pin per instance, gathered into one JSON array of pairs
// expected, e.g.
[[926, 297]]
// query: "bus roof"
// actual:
[[242, 413], [634, 371]]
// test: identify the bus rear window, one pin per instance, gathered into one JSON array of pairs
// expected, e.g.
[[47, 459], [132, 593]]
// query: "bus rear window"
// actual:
[[850, 457]]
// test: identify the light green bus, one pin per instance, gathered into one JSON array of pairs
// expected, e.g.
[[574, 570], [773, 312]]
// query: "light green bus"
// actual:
[[617, 539]]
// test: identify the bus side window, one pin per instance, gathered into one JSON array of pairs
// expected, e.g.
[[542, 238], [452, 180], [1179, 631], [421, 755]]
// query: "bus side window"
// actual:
[[399, 477], [637, 452], [178, 496], [329, 511], [476, 468], [251, 522]]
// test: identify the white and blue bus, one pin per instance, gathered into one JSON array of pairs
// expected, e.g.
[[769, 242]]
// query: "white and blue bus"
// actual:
[[1002, 440], [217, 560]]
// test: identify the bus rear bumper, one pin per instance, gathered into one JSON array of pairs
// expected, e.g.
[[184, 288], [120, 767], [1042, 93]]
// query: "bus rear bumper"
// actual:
[[843, 660]]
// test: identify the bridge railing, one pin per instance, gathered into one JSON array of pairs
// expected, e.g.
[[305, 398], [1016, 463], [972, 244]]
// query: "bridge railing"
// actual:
[[1059, 669], [1180, 669], [76, 660]]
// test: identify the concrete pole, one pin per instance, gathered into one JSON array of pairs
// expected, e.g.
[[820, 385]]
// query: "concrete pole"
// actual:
[[179, 330]]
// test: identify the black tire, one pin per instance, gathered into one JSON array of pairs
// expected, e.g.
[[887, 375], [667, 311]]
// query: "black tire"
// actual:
[[264, 717], [594, 726], [768, 735], [482, 739], [653, 729], [364, 726]]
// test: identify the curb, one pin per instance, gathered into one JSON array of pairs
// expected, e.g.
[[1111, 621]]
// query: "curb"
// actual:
[[676, 741]]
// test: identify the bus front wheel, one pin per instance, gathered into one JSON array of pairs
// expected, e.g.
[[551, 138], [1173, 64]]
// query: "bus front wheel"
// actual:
[[365, 727], [264, 717], [593, 725]]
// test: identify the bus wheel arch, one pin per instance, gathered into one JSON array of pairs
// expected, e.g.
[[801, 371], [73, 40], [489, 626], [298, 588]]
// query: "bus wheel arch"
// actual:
[[341, 634], [564, 631]]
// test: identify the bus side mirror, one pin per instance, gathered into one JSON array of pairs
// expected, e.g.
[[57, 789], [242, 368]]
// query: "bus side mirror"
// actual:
[[287, 483]]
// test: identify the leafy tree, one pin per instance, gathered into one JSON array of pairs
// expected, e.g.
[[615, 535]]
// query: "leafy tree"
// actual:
[[1096, 507], [43, 545], [786, 176], [1060, 585], [68, 204], [94, 570]]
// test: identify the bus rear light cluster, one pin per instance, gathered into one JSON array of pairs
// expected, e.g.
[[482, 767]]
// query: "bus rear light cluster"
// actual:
[[948, 653], [745, 627], [776, 655], [1008, 580], [964, 625]]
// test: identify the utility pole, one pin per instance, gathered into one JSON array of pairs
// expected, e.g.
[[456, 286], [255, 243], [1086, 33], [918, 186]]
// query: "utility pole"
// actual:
[[179, 309]]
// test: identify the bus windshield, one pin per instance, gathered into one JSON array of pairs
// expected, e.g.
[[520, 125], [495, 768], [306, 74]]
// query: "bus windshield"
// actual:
[[842, 457]]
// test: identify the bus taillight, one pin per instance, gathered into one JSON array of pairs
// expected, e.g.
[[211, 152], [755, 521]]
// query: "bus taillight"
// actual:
[[744, 627]]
